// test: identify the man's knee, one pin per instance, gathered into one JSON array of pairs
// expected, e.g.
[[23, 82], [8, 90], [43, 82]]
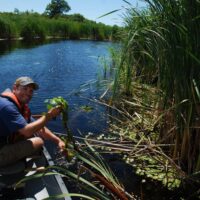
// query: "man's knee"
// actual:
[[37, 142]]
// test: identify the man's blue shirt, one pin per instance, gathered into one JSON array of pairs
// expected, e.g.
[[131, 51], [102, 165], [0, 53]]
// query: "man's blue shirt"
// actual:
[[11, 119]]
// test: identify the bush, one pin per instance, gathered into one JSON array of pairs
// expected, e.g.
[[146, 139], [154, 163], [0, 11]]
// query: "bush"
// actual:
[[33, 25], [7, 29], [74, 31], [31, 30]]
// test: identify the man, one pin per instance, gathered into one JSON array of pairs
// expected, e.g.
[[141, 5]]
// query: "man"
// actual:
[[20, 135]]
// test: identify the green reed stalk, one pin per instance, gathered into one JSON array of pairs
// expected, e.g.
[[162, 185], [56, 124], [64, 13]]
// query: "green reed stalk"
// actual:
[[161, 47]]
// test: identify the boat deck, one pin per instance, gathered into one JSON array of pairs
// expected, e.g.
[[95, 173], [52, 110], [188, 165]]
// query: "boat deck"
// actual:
[[38, 188]]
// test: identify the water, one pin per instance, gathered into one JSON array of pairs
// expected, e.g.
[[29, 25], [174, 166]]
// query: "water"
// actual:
[[60, 68]]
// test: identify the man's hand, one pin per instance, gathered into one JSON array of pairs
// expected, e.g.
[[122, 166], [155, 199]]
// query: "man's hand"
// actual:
[[53, 112], [61, 145]]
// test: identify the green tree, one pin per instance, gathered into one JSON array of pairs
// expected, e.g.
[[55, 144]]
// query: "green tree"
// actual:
[[57, 7], [116, 33], [77, 18], [16, 11]]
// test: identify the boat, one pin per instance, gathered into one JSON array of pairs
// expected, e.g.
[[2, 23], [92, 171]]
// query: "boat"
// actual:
[[35, 188]]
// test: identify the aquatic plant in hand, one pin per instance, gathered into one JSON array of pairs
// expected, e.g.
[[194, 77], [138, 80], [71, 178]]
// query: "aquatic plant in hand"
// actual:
[[59, 101], [68, 139]]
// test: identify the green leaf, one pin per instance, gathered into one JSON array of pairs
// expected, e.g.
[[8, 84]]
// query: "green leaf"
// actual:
[[109, 13]]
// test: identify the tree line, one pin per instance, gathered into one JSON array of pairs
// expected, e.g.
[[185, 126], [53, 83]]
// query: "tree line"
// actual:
[[53, 23]]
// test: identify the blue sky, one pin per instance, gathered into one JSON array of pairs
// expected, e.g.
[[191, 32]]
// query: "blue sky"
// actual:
[[90, 9]]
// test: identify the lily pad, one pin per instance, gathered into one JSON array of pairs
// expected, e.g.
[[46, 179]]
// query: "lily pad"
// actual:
[[86, 108]]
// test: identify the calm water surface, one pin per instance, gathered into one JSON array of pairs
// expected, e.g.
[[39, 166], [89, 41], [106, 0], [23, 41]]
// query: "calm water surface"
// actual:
[[61, 68]]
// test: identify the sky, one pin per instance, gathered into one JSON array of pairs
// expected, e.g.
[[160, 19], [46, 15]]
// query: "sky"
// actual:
[[90, 9]]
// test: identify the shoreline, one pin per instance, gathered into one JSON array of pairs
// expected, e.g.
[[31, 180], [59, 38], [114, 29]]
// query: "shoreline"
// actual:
[[51, 37]]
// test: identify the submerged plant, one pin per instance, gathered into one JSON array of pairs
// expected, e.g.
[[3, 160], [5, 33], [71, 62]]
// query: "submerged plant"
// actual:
[[86, 108]]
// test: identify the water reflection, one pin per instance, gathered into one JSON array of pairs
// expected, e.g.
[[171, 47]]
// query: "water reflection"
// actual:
[[7, 46]]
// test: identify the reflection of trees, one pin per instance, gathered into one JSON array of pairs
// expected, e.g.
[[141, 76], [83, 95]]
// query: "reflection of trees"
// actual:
[[7, 46]]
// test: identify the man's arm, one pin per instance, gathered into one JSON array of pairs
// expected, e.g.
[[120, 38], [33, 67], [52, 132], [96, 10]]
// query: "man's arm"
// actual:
[[33, 127], [48, 135]]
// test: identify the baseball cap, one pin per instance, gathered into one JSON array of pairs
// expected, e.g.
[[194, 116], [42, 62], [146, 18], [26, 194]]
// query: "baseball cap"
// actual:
[[25, 80]]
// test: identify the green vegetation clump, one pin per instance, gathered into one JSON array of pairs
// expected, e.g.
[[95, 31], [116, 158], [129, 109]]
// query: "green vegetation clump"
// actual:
[[7, 28], [32, 29], [31, 25], [160, 50]]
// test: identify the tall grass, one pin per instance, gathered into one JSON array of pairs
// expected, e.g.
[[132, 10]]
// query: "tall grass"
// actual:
[[161, 47], [31, 25], [7, 28], [32, 29]]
